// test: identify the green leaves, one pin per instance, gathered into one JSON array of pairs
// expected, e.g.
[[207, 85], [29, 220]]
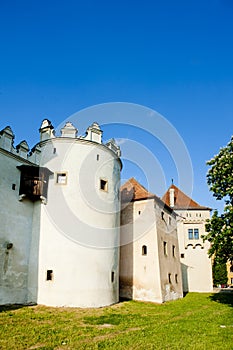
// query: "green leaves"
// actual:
[[220, 175], [220, 227]]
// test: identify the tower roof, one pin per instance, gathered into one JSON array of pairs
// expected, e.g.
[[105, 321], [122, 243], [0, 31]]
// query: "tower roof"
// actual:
[[181, 200], [132, 191]]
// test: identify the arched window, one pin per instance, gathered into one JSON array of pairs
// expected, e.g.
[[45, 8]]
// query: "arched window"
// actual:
[[144, 250]]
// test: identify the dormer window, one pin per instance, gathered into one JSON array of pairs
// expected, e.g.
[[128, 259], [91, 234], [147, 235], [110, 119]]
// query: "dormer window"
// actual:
[[34, 182]]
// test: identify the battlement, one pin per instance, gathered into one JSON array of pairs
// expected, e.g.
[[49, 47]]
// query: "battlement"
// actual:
[[47, 132]]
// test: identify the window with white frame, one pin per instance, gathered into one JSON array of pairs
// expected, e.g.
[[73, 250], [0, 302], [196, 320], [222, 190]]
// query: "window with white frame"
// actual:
[[193, 233], [61, 178]]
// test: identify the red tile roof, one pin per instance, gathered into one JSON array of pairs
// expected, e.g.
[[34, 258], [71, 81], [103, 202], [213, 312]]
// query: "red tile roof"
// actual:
[[133, 190], [181, 200]]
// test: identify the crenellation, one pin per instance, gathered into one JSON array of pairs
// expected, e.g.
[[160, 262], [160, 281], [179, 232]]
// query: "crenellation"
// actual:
[[22, 149], [35, 154], [69, 130], [33, 242], [94, 133], [7, 139], [111, 144]]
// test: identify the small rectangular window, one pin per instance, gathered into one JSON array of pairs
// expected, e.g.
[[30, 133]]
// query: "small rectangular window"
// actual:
[[144, 250], [97, 157], [54, 150], [61, 178], [13, 187], [182, 255], [104, 185], [49, 275], [170, 220], [169, 278], [176, 278]]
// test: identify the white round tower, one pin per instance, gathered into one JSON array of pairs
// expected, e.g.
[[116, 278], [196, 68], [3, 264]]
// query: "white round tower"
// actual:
[[76, 230]]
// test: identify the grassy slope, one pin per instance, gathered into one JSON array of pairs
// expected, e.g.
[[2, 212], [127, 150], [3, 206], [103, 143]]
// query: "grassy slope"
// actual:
[[199, 321]]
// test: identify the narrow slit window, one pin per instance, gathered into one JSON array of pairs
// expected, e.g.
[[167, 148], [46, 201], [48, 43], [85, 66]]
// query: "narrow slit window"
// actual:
[[112, 276], [104, 185], [13, 187], [54, 150], [98, 157], [49, 275], [139, 212], [165, 248], [144, 250], [176, 278], [169, 278], [173, 251]]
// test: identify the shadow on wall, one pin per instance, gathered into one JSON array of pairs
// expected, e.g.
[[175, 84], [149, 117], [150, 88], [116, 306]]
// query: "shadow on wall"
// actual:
[[126, 269], [184, 270]]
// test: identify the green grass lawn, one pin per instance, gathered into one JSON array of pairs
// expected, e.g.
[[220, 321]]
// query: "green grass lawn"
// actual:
[[198, 321]]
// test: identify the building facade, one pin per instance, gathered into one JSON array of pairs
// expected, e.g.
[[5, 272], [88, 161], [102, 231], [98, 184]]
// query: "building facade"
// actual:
[[68, 239], [60, 218], [191, 219], [149, 257]]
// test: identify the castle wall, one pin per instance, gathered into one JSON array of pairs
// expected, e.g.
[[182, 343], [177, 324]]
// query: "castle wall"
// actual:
[[195, 263], [169, 256], [147, 279], [15, 231], [79, 226], [144, 268]]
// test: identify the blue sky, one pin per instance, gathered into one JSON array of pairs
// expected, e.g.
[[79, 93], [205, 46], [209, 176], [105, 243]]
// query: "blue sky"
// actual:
[[174, 57]]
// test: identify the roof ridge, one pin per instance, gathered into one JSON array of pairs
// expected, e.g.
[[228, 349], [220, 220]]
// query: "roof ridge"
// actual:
[[181, 199]]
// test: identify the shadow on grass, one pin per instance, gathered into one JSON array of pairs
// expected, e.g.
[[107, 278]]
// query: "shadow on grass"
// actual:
[[11, 307], [223, 297]]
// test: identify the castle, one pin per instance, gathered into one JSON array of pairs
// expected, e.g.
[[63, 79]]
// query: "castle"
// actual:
[[67, 238]]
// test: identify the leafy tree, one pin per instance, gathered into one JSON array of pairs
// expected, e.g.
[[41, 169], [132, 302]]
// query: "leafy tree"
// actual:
[[219, 273], [220, 227]]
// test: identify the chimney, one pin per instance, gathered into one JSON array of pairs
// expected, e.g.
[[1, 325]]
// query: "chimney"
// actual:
[[172, 197]]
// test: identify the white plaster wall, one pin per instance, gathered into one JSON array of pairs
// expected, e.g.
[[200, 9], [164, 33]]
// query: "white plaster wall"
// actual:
[[146, 278], [16, 226], [139, 274], [196, 265], [79, 227]]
